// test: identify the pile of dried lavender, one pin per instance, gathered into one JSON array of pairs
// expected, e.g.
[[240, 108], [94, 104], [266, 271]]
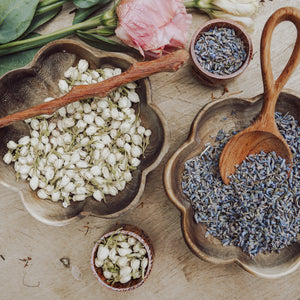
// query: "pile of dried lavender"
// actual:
[[259, 210], [220, 51]]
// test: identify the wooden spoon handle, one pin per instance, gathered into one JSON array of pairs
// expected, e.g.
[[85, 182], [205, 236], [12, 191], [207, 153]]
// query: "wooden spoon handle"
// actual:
[[168, 63], [271, 88]]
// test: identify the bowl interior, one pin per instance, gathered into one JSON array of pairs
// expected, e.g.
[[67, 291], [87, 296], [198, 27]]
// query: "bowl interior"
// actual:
[[142, 237], [26, 87], [230, 114], [219, 23]]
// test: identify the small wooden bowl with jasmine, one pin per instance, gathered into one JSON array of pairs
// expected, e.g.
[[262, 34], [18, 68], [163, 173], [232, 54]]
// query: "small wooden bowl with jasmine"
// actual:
[[122, 259], [220, 51]]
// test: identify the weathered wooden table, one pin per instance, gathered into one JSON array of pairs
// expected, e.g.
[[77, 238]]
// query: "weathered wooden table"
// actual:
[[30, 251]]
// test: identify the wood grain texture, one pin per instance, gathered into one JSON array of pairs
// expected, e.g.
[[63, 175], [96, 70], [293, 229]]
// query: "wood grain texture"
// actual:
[[177, 273]]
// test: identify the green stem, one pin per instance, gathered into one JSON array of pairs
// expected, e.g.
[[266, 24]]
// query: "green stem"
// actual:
[[46, 3], [190, 4], [45, 8], [41, 40]]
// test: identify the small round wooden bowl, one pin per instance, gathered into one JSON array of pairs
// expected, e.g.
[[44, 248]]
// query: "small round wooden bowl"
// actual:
[[207, 77], [143, 238]]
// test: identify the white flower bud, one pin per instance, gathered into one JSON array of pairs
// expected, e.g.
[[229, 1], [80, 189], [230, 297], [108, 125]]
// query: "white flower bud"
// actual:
[[63, 86], [102, 252], [137, 139], [96, 170], [135, 162], [123, 251], [34, 182], [127, 176], [131, 241], [24, 140], [49, 173], [136, 151], [55, 196], [98, 195], [106, 113], [127, 148], [81, 124], [70, 108], [88, 118], [125, 126], [68, 122], [7, 158], [99, 121], [122, 261], [62, 111], [114, 113], [24, 169], [135, 264], [98, 262], [91, 130], [102, 104], [147, 132], [64, 181], [125, 271], [87, 108], [107, 274], [11, 145], [35, 124], [42, 194], [107, 73], [133, 97], [117, 71], [95, 74], [111, 159], [82, 65], [70, 187]]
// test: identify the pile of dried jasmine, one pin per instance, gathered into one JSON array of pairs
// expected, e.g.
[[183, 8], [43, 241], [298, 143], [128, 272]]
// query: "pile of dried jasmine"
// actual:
[[259, 210]]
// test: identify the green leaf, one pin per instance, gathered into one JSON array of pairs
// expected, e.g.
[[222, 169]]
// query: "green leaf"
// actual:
[[86, 3], [15, 17], [103, 43], [83, 13], [40, 20], [17, 60]]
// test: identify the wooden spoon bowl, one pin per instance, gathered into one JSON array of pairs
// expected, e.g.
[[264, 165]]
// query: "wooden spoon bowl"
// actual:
[[263, 134]]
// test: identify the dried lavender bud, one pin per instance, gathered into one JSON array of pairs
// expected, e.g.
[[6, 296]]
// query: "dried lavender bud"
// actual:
[[259, 210]]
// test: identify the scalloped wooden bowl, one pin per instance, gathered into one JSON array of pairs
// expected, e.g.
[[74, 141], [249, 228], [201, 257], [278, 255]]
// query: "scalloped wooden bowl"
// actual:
[[29, 86], [226, 114], [141, 236]]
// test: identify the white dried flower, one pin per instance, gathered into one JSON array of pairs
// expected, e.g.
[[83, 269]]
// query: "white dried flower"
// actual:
[[70, 187], [63, 86], [135, 162], [102, 252], [42, 194], [12, 145], [34, 182], [68, 122], [99, 121], [133, 96], [25, 140], [82, 65], [136, 151], [8, 158], [98, 262], [125, 126], [55, 196], [70, 108], [147, 132], [107, 73], [106, 113], [95, 74], [87, 108], [91, 130], [127, 176]]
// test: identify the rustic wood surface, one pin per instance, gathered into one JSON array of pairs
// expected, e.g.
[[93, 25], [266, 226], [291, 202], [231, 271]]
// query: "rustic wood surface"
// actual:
[[30, 251]]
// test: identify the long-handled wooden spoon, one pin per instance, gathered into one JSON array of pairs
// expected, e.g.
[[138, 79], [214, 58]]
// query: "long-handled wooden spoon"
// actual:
[[168, 63], [263, 134]]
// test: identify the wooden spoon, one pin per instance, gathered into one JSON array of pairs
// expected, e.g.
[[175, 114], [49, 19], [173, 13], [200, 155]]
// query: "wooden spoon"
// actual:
[[263, 134], [168, 63]]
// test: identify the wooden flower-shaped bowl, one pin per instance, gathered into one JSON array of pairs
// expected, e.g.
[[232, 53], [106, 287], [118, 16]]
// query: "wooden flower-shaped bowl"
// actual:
[[29, 86], [226, 114], [143, 238]]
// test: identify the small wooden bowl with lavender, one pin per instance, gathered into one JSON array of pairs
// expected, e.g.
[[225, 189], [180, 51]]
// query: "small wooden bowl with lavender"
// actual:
[[220, 51], [122, 259]]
